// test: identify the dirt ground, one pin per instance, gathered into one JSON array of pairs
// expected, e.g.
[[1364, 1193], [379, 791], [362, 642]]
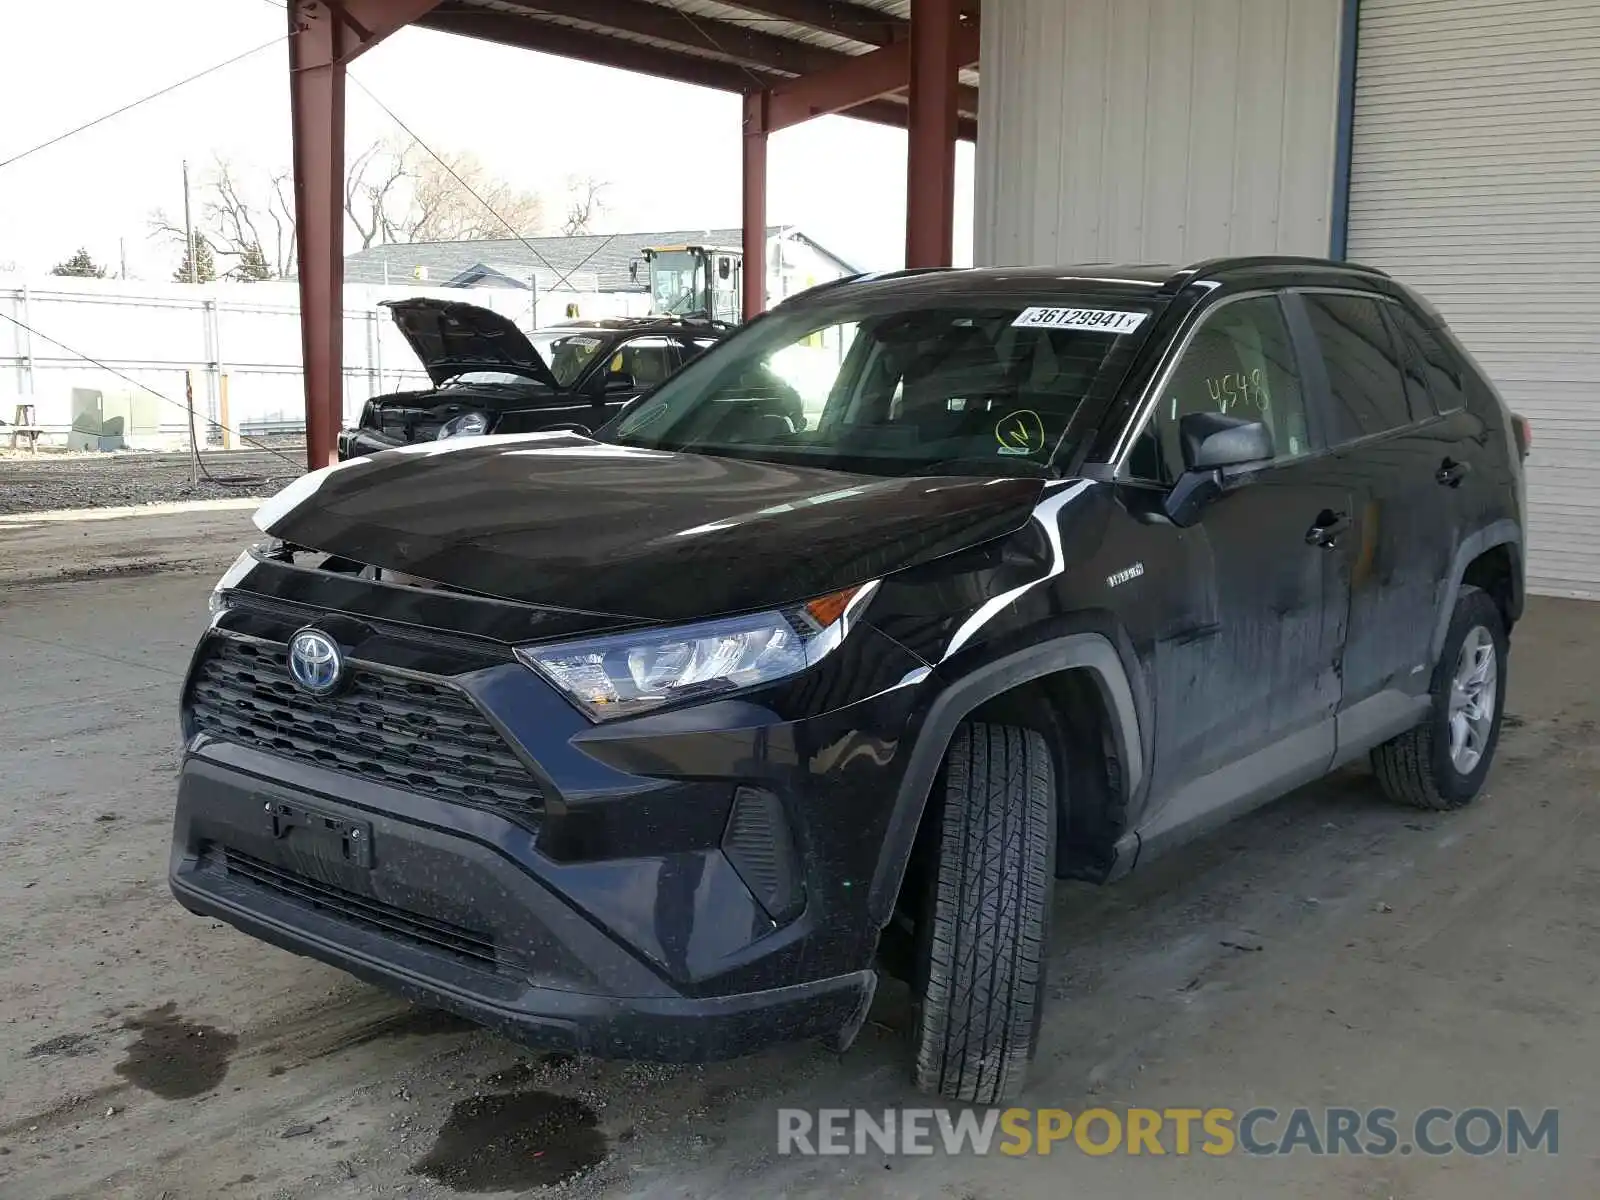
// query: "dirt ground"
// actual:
[[1327, 950]]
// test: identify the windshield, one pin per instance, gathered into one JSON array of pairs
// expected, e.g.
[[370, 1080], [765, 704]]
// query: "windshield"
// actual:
[[979, 387], [567, 353], [677, 282]]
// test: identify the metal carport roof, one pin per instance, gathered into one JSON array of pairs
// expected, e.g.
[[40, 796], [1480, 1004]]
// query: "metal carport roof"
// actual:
[[900, 62]]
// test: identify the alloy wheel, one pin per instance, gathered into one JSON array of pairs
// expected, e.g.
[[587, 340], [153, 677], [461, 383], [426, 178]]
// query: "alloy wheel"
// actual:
[[1473, 692]]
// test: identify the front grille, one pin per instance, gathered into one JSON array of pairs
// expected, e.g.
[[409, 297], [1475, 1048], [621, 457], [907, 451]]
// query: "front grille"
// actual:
[[408, 733], [428, 932]]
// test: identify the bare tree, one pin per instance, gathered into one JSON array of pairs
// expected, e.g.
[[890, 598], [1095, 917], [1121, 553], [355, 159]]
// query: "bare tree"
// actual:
[[454, 198], [280, 209], [393, 192], [375, 182], [229, 222], [585, 203]]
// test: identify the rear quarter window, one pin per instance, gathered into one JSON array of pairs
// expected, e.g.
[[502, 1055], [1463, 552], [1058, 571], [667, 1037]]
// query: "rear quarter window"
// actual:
[[1439, 365], [1366, 374]]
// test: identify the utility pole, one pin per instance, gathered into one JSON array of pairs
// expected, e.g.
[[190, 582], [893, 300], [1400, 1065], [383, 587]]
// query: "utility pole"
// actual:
[[122, 253], [188, 226]]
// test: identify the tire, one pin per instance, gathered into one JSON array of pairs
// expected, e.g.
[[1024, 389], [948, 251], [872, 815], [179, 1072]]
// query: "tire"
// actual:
[[1418, 767], [986, 917]]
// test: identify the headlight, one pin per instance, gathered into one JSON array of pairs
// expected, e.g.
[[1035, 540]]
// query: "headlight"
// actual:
[[623, 674], [468, 424]]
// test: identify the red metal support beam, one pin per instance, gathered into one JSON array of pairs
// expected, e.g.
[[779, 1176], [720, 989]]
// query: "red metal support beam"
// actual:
[[325, 35], [769, 55], [754, 207], [861, 79], [931, 144], [662, 62]]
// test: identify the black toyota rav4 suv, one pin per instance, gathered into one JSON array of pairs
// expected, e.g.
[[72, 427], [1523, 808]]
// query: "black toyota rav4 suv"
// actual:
[[648, 743]]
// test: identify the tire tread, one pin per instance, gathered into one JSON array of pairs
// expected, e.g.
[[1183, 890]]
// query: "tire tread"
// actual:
[[1408, 766], [990, 914]]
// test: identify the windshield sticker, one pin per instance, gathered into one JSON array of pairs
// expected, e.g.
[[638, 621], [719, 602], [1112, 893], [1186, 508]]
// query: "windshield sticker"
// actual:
[[1099, 320], [588, 343], [1020, 432]]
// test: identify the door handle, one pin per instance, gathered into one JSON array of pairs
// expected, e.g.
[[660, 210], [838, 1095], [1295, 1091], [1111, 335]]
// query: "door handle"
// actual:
[[1451, 473], [1325, 532]]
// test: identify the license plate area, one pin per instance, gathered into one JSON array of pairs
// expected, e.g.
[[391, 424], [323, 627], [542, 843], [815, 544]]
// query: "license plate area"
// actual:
[[321, 835]]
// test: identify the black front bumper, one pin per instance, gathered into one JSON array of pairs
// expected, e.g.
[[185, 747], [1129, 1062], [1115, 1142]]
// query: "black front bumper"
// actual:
[[445, 917], [692, 883]]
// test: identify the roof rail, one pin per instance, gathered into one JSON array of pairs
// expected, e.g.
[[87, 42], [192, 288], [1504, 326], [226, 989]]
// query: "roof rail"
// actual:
[[865, 277], [1229, 262], [824, 286]]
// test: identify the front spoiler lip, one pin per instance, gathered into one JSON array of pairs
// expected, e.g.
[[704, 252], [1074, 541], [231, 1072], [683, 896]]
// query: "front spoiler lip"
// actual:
[[653, 1028]]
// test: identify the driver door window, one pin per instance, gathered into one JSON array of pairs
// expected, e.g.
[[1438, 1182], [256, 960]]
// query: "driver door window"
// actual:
[[1240, 362]]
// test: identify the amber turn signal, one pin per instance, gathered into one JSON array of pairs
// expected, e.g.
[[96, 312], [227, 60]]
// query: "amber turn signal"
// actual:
[[825, 610]]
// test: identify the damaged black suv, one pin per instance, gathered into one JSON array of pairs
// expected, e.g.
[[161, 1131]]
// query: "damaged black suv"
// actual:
[[655, 743]]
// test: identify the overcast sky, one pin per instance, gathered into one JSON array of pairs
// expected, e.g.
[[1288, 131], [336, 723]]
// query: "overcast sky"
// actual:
[[670, 152]]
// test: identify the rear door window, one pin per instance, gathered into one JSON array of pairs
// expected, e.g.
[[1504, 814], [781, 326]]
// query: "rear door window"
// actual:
[[1366, 374]]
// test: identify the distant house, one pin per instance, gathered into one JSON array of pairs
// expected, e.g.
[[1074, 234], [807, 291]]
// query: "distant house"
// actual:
[[591, 262]]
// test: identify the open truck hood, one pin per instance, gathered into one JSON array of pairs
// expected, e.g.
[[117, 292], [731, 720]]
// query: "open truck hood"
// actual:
[[451, 336], [563, 521]]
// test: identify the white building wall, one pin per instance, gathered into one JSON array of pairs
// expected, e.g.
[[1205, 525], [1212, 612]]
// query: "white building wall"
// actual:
[[1155, 130], [793, 266]]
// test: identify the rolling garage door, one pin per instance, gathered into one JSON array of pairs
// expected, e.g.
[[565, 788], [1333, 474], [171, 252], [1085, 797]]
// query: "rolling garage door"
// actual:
[[1475, 177]]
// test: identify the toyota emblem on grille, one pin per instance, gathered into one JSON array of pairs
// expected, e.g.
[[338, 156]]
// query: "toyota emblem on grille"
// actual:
[[316, 661]]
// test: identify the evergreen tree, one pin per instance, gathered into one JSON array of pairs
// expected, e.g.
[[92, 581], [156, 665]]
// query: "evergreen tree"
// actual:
[[205, 266], [80, 265], [252, 266]]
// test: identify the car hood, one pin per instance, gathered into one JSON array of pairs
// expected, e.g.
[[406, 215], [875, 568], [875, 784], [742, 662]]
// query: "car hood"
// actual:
[[450, 337], [564, 521]]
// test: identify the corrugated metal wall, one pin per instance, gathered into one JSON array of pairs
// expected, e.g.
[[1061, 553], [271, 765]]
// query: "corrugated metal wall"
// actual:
[[1476, 177], [1155, 130]]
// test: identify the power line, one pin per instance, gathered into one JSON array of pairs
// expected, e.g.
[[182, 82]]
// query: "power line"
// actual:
[[132, 104], [188, 408], [466, 187]]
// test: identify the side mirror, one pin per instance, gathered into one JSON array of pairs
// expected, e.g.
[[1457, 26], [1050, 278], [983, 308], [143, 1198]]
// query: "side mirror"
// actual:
[[619, 382], [1213, 442]]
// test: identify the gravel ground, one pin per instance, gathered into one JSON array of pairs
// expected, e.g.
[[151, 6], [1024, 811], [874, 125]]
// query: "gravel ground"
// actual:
[[46, 481]]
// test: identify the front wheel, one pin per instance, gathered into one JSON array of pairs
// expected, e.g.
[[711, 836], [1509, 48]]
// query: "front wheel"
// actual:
[[986, 918], [1442, 763]]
